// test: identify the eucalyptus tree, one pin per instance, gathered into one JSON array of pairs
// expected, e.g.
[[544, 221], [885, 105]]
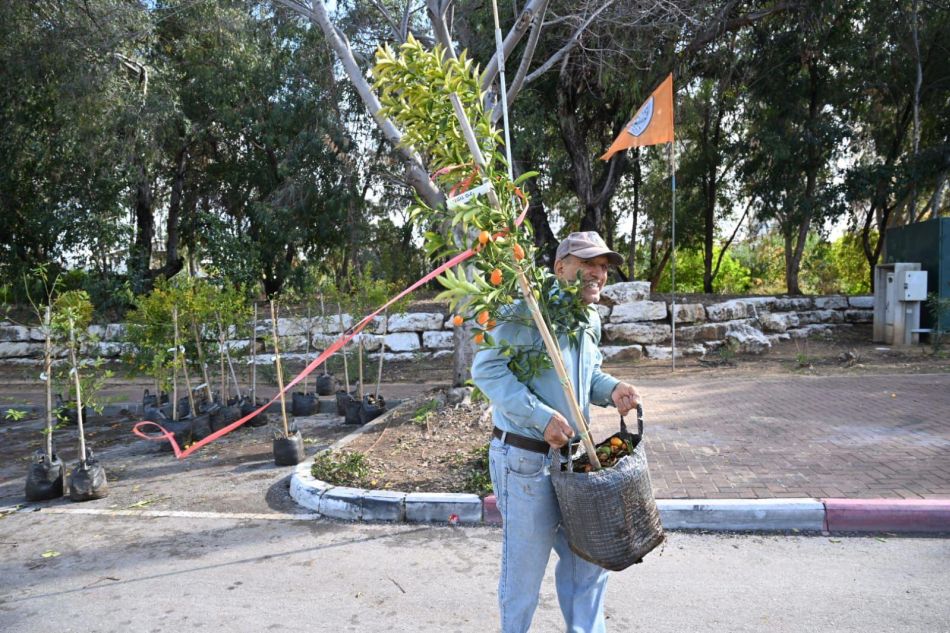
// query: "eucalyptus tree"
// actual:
[[795, 104], [888, 177]]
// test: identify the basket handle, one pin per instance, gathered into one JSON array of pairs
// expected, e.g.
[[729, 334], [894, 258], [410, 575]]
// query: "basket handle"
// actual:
[[623, 424]]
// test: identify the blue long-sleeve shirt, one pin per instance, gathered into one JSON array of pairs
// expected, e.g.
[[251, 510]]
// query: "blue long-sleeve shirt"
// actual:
[[526, 408]]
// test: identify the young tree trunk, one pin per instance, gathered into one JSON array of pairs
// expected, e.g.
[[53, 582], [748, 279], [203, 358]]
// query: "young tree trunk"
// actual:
[[632, 250], [144, 229]]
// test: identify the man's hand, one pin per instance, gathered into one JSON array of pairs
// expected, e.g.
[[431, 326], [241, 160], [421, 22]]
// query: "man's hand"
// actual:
[[558, 432], [625, 398]]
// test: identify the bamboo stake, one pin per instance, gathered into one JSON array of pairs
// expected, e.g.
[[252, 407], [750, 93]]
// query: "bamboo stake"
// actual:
[[306, 353], [323, 327], [221, 375], [382, 352], [346, 368], [227, 354], [280, 374], [174, 369], [48, 371], [75, 372], [359, 385], [553, 349], [184, 367], [201, 360], [254, 359]]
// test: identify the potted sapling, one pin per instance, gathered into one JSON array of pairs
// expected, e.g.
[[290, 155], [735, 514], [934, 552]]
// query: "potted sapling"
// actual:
[[305, 402], [343, 396], [251, 403], [87, 481], [326, 382], [373, 405], [288, 444], [44, 480]]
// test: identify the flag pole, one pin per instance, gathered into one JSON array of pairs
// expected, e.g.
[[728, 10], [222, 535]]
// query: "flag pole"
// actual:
[[673, 253]]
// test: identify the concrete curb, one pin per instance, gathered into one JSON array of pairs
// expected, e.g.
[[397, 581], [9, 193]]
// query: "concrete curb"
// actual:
[[925, 516]]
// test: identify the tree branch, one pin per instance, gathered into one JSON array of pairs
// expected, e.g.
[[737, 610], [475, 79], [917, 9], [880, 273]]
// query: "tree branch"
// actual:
[[437, 10], [416, 175], [518, 82], [511, 40], [571, 43]]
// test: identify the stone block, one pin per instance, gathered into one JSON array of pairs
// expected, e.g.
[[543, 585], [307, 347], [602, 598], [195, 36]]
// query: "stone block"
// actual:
[[730, 310], [775, 338], [820, 316], [655, 352], [371, 342], [402, 357], [748, 339], [115, 332], [14, 334], [637, 332], [384, 505], [440, 339], [778, 321], [863, 302], [622, 352], [638, 311], [689, 312], [831, 302], [761, 303], [704, 333], [859, 316], [625, 292], [442, 353], [789, 304], [108, 349], [415, 321], [603, 311], [20, 350], [402, 342], [428, 507]]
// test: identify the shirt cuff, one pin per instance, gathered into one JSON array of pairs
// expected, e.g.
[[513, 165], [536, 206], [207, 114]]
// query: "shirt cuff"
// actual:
[[541, 416]]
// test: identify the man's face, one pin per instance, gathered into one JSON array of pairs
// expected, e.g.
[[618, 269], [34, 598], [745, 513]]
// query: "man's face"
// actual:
[[593, 274]]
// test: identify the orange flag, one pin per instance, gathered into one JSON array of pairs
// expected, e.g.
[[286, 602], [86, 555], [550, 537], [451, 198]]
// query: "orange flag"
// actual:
[[652, 124]]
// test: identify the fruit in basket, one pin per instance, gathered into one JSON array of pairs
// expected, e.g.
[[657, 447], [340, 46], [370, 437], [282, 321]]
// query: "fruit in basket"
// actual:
[[616, 442]]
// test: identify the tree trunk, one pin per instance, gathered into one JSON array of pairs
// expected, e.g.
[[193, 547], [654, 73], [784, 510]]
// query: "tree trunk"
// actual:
[[144, 229], [173, 262]]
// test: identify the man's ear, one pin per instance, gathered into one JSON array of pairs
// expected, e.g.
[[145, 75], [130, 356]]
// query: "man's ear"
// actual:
[[558, 267]]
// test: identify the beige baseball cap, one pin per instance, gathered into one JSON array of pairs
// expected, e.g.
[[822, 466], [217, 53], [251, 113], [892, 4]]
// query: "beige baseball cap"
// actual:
[[586, 245]]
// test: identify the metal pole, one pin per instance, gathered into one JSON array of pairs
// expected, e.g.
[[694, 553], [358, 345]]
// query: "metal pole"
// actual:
[[673, 255]]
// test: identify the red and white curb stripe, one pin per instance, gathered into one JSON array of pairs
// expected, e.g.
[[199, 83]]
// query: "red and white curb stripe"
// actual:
[[924, 516]]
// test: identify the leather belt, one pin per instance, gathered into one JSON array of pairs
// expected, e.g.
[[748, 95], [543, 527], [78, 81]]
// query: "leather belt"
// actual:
[[527, 443]]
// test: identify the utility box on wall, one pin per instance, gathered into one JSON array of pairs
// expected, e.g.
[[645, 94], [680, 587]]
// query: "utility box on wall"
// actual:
[[899, 290], [928, 243]]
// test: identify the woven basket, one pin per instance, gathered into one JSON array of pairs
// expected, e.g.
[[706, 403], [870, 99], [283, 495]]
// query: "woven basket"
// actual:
[[610, 515]]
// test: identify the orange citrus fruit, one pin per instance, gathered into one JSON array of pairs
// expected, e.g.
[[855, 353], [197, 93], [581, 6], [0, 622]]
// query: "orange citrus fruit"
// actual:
[[482, 317], [616, 442], [496, 277], [484, 237], [518, 251], [491, 324], [480, 338], [458, 320]]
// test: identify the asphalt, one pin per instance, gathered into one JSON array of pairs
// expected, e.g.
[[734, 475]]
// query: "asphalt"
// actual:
[[842, 454]]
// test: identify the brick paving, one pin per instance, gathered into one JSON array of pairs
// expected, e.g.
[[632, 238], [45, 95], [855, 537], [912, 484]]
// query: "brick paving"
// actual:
[[872, 436]]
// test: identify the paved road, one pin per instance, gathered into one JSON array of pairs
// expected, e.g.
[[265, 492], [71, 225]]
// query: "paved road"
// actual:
[[160, 575]]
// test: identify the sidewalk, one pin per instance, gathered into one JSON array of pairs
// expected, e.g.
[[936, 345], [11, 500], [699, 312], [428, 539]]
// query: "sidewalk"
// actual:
[[842, 453]]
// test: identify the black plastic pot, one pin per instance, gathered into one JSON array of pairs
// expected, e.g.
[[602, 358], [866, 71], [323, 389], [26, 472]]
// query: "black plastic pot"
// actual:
[[304, 404], [184, 407], [152, 400], [288, 451], [87, 481], [261, 419], [201, 426], [67, 412], [326, 385], [341, 399], [45, 479], [181, 429], [352, 413], [223, 416], [371, 408]]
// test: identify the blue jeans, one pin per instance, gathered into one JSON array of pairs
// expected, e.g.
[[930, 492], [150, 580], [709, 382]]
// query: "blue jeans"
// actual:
[[532, 527]]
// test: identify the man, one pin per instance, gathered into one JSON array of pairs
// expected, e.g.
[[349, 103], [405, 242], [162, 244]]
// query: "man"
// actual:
[[530, 419]]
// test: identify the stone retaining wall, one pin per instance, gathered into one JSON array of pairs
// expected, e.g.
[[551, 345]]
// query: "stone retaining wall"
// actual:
[[634, 326]]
